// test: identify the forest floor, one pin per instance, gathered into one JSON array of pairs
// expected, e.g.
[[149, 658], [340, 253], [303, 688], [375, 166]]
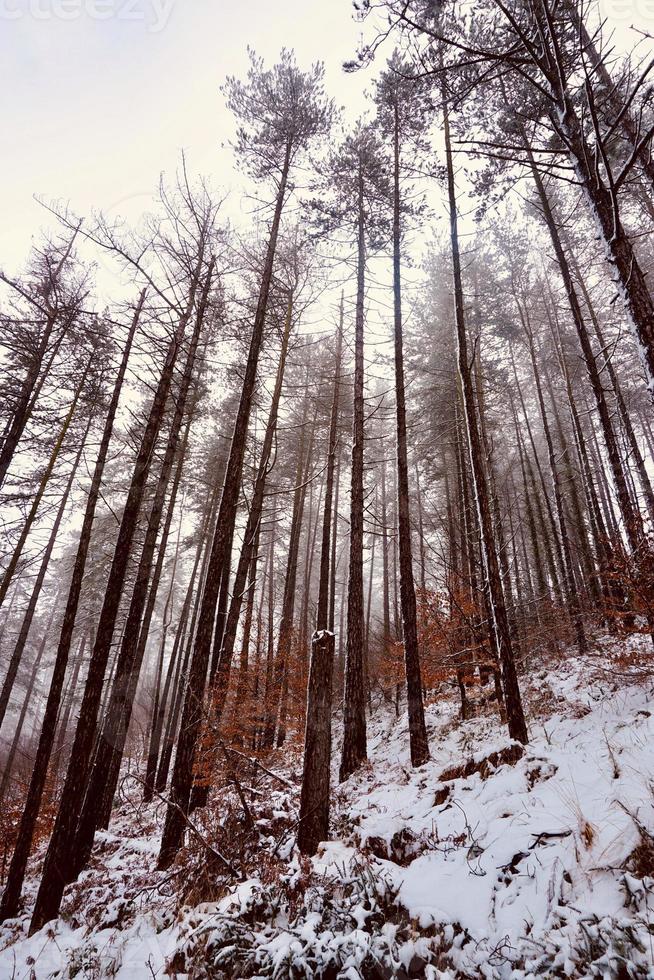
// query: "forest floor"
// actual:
[[488, 861]]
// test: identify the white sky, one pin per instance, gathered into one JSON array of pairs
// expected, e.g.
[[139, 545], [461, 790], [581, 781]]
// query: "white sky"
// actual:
[[95, 109], [100, 96]]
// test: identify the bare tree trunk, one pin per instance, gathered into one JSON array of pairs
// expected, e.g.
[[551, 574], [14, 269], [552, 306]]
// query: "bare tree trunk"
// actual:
[[303, 660], [161, 703], [619, 397], [105, 767], [60, 858], [570, 582], [221, 612], [386, 587], [175, 658], [63, 719], [502, 554], [371, 577], [258, 717], [244, 689], [267, 729], [421, 532], [608, 511], [172, 723], [463, 561], [192, 711], [550, 526], [16, 875], [159, 695], [278, 665], [417, 729], [354, 706], [453, 585], [584, 555], [19, 648], [600, 533], [516, 720], [45, 479], [543, 588], [334, 563], [314, 798], [250, 541], [630, 514], [119, 726], [9, 762], [35, 376], [601, 193]]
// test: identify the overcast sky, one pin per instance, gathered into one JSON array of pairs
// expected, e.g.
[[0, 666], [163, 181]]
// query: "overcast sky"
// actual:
[[100, 96]]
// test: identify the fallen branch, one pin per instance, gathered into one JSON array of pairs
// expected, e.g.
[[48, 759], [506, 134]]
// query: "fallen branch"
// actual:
[[255, 762], [239, 789], [191, 826], [548, 835]]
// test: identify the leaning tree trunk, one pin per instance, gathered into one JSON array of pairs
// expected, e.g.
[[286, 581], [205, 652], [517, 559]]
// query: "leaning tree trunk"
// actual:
[[219, 684], [144, 631], [63, 720], [32, 383], [161, 698], [21, 640], [515, 715], [9, 762], [251, 530], [45, 479], [172, 723], [166, 620], [603, 202], [192, 711], [16, 875], [157, 767], [104, 772], [570, 581], [60, 857], [630, 515], [24, 403], [619, 397], [221, 614], [103, 811]]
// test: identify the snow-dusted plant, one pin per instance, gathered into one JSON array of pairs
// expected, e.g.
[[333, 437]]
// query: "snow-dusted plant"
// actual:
[[348, 927]]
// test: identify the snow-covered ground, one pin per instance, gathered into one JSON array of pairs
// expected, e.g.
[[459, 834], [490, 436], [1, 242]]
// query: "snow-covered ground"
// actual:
[[537, 867]]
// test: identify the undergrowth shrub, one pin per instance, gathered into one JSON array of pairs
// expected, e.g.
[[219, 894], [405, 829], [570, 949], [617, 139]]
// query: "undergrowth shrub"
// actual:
[[349, 926]]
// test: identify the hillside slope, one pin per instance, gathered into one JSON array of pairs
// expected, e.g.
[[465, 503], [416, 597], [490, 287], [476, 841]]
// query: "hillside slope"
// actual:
[[488, 861]]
